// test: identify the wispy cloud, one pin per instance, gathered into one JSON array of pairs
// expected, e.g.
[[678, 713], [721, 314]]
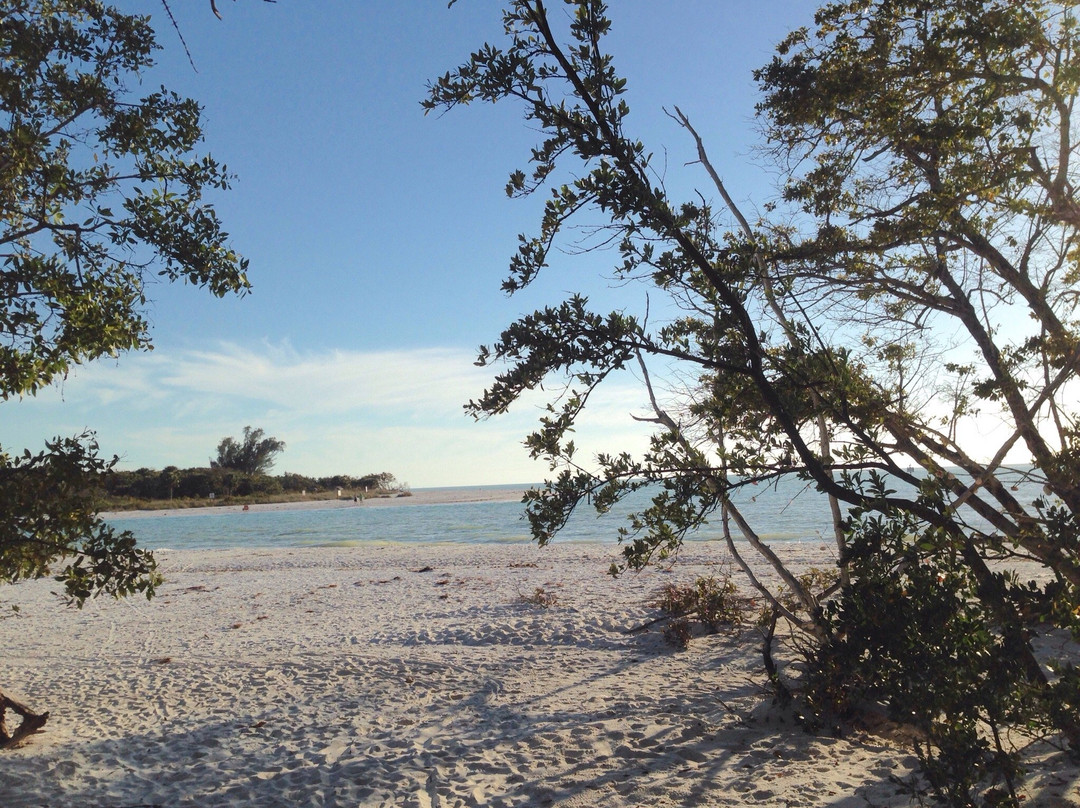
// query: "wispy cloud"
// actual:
[[338, 411], [278, 376]]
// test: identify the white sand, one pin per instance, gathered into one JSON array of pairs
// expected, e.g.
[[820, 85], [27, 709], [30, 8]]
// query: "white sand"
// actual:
[[350, 677], [438, 496]]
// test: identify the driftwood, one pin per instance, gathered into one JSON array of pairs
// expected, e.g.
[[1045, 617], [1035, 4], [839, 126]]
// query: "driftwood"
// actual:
[[31, 721]]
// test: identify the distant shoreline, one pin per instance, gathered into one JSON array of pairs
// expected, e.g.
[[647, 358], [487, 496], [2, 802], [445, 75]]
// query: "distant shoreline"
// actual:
[[430, 496]]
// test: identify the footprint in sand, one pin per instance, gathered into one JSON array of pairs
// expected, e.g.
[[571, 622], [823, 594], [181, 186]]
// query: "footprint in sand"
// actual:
[[335, 750]]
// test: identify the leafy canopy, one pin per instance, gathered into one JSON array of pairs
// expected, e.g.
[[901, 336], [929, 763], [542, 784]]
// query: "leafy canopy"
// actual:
[[48, 511], [253, 454], [917, 272], [101, 194]]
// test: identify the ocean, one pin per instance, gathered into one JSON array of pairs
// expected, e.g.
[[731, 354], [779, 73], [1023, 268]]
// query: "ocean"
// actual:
[[790, 511]]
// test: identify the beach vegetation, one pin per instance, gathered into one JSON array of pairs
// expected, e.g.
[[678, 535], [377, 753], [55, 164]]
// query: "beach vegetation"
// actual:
[[541, 597], [714, 602], [897, 329], [706, 606], [679, 633], [253, 454], [102, 194], [174, 487]]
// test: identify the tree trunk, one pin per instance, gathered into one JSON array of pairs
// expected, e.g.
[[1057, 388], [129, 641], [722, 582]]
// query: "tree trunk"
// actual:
[[31, 721]]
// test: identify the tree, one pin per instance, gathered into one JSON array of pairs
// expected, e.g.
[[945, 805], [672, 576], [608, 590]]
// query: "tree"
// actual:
[[101, 191], [254, 454], [384, 481], [844, 340], [170, 478]]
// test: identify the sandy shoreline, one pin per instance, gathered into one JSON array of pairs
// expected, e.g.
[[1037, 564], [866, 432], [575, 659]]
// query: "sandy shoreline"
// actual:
[[416, 676], [437, 496]]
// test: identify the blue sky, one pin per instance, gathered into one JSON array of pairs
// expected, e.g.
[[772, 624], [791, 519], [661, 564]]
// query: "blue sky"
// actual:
[[378, 236]]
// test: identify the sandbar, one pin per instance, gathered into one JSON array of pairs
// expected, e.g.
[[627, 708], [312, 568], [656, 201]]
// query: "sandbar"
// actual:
[[429, 496]]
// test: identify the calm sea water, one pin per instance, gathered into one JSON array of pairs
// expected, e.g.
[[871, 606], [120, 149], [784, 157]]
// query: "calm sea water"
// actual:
[[791, 511]]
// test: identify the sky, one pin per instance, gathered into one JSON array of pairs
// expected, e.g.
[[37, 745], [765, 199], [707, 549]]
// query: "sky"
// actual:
[[378, 237]]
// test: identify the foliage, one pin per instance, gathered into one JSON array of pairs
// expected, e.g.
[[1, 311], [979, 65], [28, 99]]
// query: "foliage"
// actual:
[[101, 190], [917, 272], [199, 483], [48, 510], [382, 481], [713, 601], [912, 633], [254, 454], [541, 597], [101, 195], [679, 633]]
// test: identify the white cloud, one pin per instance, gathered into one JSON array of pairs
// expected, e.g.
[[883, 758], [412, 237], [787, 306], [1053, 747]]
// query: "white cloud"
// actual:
[[279, 376], [338, 412]]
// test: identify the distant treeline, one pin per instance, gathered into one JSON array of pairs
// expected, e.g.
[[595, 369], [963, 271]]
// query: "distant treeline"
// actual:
[[205, 483]]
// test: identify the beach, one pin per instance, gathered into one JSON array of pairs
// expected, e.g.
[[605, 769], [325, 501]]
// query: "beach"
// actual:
[[430, 496], [422, 675], [422, 497]]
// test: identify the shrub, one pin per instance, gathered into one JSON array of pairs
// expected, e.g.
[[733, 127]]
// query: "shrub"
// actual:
[[678, 632], [713, 601], [541, 597], [915, 633]]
